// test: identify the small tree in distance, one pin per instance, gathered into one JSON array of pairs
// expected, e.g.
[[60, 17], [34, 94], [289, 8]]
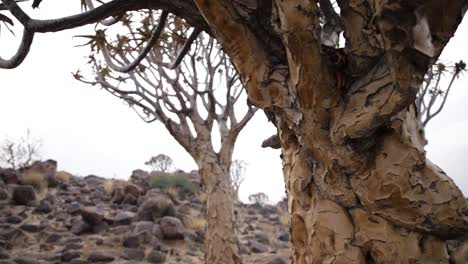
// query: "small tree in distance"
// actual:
[[259, 198], [18, 155], [160, 162], [237, 171]]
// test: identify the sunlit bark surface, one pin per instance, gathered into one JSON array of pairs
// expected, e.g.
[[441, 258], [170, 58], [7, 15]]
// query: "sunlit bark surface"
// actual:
[[360, 188]]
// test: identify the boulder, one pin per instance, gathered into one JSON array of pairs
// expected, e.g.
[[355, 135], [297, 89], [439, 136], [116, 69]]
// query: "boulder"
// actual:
[[47, 168], [277, 261], [257, 247], [91, 215], [156, 257], [133, 254], [142, 179], [9, 176], [132, 189], [123, 218], [101, 256], [23, 195], [155, 208], [172, 228]]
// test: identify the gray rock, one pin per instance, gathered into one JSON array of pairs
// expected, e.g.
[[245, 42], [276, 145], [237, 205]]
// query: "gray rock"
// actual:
[[142, 179], [277, 261], [24, 195], [172, 228], [257, 247], [31, 228], [79, 227], [156, 257], [124, 218], [132, 241], [13, 219], [154, 208], [284, 237], [91, 215], [26, 260], [67, 256], [44, 207], [9, 176], [47, 168], [101, 256], [133, 254]]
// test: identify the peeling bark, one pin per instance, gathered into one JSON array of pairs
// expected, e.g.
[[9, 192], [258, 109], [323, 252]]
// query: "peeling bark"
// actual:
[[221, 243], [360, 188]]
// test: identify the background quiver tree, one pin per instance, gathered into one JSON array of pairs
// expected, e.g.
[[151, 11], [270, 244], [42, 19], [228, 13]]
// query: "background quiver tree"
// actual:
[[160, 162], [237, 172], [434, 91], [186, 82]]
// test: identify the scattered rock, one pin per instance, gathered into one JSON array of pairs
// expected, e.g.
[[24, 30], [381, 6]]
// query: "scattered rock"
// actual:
[[132, 189], [79, 227], [172, 228], [9, 176], [156, 257], [91, 216], [13, 219], [284, 237], [47, 168], [277, 261], [101, 256], [142, 179], [31, 228], [257, 247], [26, 260], [133, 254], [24, 195], [67, 256], [155, 208], [130, 199], [123, 218]]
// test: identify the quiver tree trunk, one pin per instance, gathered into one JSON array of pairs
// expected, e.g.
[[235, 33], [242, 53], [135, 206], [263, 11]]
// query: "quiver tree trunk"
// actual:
[[360, 188], [221, 241]]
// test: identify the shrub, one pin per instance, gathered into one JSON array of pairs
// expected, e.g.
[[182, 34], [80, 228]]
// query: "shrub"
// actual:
[[35, 179], [166, 181], [195, 222], [63, 176]]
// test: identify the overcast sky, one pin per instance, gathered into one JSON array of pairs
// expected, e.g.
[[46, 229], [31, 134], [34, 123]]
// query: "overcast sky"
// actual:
[[88, 131]]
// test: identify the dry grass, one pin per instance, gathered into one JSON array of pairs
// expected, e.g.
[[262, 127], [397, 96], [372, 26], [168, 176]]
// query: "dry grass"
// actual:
[[195, 222], [63, 176], [284, 219], [173, 193], [35, 179], [110, 185]]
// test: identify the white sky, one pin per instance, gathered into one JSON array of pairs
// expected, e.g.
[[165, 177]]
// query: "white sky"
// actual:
[[88, 131]]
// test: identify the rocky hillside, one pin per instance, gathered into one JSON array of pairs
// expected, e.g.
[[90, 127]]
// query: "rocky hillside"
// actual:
[[54, 217]]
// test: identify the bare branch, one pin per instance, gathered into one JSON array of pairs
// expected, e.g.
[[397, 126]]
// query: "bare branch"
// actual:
[[21, 53]]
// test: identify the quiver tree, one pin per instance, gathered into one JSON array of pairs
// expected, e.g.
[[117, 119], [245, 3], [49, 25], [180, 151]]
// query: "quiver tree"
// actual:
[[360, 188], [160, 162], [433, 93], [188, 84], [237, 171]]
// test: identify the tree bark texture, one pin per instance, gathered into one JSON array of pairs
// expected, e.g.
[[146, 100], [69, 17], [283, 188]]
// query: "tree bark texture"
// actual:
[[221, 242], [360, 188]]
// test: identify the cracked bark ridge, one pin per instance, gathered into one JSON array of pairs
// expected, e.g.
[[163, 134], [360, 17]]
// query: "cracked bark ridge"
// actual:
[[360, 188]]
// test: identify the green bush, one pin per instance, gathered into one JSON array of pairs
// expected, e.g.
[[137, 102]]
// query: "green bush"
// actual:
[[166, 181]]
